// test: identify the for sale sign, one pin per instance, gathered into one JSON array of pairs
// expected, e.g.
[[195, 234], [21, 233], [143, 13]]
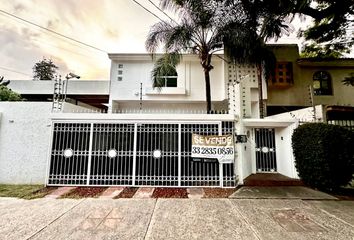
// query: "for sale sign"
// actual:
[[217, 147]]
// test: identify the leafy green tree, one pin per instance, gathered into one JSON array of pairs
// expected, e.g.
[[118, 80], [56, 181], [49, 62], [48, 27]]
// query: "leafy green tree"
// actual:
[[44, 70], [202, 28], [263, 20], [331, 30], [7, 94], [321, 52]]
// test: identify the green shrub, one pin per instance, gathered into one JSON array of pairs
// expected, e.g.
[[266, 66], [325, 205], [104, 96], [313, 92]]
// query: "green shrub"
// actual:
[[324, 155], [7, 94]]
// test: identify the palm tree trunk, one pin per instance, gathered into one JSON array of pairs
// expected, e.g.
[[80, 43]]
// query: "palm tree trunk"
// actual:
[[260, 90], [207, 89]]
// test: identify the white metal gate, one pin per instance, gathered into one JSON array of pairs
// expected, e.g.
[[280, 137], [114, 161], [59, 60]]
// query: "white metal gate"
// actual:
[[265, 150], [122, 153]]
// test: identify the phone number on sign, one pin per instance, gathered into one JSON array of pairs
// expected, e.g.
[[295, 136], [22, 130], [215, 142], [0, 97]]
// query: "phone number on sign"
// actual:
[[213, 150]]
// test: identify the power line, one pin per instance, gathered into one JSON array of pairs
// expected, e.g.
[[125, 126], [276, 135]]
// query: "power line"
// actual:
[[148, 10], [162, 11], [49, 30], [11, 70]]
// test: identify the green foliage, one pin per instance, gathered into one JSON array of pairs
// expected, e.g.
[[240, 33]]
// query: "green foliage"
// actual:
[[331, 25], [324, 155], [44, 70], [261, 21], [349, 80], [7, 94], [164, 66], [205, 27], [23, 191], [321, 52], [201, 29]]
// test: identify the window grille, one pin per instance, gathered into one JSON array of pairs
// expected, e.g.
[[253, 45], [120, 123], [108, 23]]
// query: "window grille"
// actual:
[[322, 83], [283, 75]]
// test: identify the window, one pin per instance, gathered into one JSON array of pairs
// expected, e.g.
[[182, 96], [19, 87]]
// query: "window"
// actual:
[[168, 81], [322, 83], [283, 75], [167, 77]]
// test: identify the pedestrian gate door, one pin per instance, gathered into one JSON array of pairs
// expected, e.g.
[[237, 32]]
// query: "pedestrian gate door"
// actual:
[[134, 154], [265, 150]]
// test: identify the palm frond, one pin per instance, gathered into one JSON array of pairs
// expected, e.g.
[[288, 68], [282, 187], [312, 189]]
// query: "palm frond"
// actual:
[[165, 66]]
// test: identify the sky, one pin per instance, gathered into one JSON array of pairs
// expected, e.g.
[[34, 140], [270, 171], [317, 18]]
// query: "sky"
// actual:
[[115, 26]]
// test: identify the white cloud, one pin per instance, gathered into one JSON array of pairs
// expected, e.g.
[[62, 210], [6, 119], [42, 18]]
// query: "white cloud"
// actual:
[[115, 26], [112, 25]]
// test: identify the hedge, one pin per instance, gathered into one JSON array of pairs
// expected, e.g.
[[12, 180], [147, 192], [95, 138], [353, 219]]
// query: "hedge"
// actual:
[[324, 155]]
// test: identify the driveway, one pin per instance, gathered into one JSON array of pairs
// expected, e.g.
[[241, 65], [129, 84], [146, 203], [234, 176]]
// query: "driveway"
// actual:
[[175, 219]]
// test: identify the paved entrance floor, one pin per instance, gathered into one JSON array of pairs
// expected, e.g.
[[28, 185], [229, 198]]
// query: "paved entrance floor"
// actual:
[[175, 219], [291, 192]]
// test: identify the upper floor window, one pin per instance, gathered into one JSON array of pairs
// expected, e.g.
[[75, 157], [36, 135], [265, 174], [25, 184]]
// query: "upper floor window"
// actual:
[[283, 75], [322, 83], [168, 81], [165, 76]]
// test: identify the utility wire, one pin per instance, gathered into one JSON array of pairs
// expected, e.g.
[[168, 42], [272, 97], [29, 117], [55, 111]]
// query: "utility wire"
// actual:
[[162, 11], [11, 70], [67, 41], [148, 10], [51, 31]]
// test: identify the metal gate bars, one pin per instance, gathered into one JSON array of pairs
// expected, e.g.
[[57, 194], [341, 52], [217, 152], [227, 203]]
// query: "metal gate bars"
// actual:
[[135, 154], [265, 150]]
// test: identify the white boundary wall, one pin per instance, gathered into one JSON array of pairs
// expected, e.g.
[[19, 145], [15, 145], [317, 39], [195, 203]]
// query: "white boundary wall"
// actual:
[[25, 129], [303, 115], [24, 141]]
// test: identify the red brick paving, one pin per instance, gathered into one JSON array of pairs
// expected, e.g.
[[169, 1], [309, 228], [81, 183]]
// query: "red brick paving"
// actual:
[[271, 179], [111, 192], [144, 192], [59, 192]]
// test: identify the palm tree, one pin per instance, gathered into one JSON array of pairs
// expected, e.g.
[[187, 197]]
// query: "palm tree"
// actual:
[[203, 27], [263, 20]]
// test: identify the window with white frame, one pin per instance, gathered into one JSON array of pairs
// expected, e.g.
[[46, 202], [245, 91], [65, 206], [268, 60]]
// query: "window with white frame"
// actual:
[[167, 77], [169, 81]]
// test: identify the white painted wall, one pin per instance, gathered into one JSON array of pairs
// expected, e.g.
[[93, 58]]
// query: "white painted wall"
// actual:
[[79, 87], [244, 161], [303, 115], [284, 153], [24, 141], [136, 70], [81, 107]]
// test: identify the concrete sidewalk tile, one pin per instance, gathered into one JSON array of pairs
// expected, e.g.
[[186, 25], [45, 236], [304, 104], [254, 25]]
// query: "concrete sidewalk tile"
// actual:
[[286, 192], [197, 219], [59, 192], [144, 192], [111, 192], [195, 193]]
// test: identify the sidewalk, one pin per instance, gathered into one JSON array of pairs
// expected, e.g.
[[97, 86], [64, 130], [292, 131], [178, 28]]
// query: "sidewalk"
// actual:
[[175, 219]]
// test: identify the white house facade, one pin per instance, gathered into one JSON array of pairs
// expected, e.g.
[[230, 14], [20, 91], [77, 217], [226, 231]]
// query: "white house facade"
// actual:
[[144, 138]]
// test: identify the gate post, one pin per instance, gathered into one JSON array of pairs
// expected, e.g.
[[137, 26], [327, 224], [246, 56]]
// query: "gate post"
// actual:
[[221, 173], [179, 154], [134, 152], [89, 156], [49, 154]]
